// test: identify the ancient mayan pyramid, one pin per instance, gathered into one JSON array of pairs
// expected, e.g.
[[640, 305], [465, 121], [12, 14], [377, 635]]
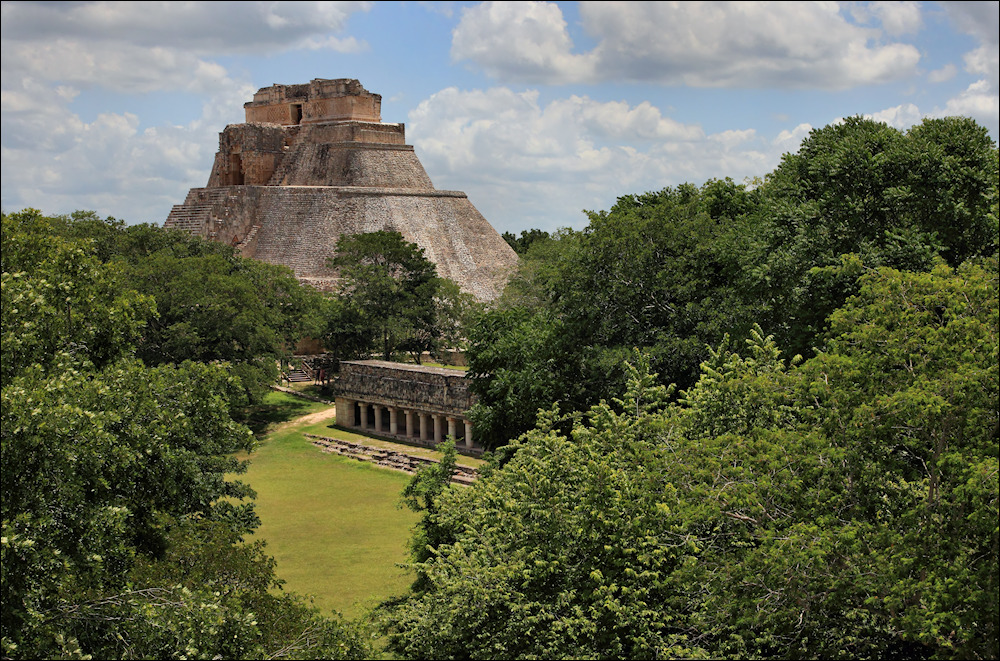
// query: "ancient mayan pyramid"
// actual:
[[315, 161]]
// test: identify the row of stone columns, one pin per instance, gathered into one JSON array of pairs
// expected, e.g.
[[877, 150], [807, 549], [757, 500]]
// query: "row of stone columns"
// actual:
[[412, 424]]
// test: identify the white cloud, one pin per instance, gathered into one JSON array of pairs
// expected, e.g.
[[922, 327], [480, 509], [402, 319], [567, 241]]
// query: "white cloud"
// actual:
[[146, 46], [984, 60], [734, 44], [789, 140], [897, 18], [524, 40], [201, 27], [979, 101], [901, 117], [982, 21], [945, 73], [104, 164], [528, 164]]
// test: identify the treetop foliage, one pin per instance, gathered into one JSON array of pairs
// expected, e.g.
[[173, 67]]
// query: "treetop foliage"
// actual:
[[673, 271], [126, 354], [391, 300], [840, 507]]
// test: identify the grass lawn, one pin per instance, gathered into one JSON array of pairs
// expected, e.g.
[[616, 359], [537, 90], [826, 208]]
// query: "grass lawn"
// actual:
[[333, 524]]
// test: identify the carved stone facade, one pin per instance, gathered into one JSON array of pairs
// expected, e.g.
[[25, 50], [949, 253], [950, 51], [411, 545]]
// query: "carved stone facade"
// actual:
[[315, 161], [411, 402]]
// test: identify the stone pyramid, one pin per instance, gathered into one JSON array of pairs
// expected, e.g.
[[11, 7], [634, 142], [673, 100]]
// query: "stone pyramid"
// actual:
[[315, 161]]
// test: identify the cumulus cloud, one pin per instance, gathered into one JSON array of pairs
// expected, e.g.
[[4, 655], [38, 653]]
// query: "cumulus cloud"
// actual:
[[901, 117], [104, 164], [979, 101], [528, 164], [202, 27], [945, 73], [732, 44], [145, 46], [522, 40], [897, 18], [982, 21]]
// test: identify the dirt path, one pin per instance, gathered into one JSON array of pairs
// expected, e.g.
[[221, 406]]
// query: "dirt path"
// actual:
[[307, 419], [318, 416]]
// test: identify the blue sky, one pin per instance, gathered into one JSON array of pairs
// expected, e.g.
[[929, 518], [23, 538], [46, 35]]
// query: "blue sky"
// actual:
[[537, 110]]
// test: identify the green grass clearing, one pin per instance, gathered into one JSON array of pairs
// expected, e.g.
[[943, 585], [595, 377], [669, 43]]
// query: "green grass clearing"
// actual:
[[333, 524]]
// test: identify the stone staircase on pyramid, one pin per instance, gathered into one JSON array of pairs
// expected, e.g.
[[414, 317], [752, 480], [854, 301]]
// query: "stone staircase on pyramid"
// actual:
[[195, 215]]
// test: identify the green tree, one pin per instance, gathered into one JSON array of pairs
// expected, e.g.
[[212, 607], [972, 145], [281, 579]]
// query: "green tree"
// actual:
[[421, 494], [864, 188], [519, 361], [210, 303], [673, 271], [116, 477], [215, 307], [527, 238], [391, 286], [556, 554], [58, 299], [844, 508], [659, 271]]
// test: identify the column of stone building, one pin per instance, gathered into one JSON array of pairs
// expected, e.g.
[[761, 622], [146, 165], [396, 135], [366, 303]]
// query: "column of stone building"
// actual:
[[364, 415], [345, 412], [414, 424]]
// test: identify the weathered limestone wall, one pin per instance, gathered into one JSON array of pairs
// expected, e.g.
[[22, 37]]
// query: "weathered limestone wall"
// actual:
[[300, 226], [284, 113], [249, 154], [432, 389], [352, 164], [364, 132], [320, 100]]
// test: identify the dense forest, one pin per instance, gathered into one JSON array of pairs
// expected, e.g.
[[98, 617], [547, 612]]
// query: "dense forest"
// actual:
[[728, 420], [131, 356]]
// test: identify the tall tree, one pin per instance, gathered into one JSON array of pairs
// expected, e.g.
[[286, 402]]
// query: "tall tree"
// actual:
[[391, 286], [844, 508], [117, 477], [862, 187]]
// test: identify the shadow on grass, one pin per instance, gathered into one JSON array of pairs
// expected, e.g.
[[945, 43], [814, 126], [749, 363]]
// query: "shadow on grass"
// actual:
[[276, 410]]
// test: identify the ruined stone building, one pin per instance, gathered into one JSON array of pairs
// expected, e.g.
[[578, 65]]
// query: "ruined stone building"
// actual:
[[315, 161], [409, 402]]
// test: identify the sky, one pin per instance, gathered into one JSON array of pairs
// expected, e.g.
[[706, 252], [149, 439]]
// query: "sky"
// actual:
[[537, 110]]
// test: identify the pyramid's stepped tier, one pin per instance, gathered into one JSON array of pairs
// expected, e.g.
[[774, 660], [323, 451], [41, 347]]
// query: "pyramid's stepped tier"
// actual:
[[299, 227], [352, 164]]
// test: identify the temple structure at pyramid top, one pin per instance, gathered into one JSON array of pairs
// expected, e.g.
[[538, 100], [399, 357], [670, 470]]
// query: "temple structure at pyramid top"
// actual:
[[314, 162]]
